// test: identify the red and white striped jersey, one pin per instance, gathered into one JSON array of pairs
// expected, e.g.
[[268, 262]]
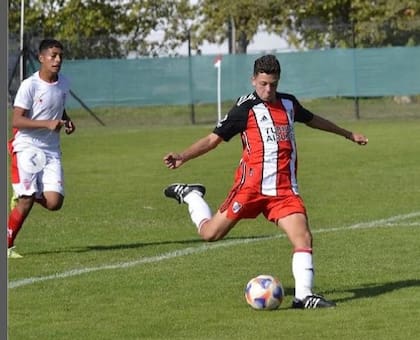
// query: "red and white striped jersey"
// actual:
[[269, 158]]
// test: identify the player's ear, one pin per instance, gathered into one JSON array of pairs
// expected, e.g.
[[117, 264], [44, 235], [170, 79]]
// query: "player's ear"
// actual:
[[40, 58], [253, 81]]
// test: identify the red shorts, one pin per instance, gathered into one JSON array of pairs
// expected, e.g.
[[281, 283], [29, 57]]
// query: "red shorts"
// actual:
[[245, 203]]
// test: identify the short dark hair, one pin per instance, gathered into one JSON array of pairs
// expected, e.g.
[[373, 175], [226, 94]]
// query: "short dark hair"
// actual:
[[267, 64], [49, 43]]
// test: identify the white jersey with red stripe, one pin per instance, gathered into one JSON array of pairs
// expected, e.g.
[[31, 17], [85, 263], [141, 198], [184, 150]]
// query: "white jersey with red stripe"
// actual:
[[269, 158], [43, 101]]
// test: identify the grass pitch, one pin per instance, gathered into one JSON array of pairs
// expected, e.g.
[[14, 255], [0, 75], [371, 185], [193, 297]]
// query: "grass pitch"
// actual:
[[120, 261]]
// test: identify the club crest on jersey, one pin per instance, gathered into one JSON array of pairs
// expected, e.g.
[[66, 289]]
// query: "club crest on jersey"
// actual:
[[26, 184], [236, 207]]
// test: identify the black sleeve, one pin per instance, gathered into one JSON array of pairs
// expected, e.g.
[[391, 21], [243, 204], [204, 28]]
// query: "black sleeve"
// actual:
[[236, 119], [302, 115]]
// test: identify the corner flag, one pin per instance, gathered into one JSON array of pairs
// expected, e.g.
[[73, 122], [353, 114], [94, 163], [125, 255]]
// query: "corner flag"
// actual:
[[218, 61]]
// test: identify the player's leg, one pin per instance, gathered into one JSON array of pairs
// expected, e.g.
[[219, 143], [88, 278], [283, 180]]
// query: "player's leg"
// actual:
[[24, 188], [297, 229], [29, 187], [16, 219], [210, 228], [51, 200], [51, 185], [217, 227], [289, 213]]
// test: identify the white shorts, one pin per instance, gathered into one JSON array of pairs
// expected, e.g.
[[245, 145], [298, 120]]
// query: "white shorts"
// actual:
[[32, 174]]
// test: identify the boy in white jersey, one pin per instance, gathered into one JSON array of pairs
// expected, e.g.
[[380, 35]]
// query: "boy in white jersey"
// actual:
[[38, 116]]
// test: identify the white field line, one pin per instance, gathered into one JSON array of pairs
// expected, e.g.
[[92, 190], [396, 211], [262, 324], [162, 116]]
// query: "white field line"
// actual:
[[382, 223]]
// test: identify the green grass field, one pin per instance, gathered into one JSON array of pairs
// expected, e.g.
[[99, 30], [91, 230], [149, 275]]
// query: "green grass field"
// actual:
[[120, 261]]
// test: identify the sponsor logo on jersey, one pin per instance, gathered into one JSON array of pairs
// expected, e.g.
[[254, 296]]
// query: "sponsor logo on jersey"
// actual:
[[279, 133]]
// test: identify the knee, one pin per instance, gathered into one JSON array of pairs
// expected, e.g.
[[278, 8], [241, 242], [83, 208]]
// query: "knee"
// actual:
[[307, 240], [301, 240], [308, 237], [215, 228], [54, 206], [209, 235], [52, 201]]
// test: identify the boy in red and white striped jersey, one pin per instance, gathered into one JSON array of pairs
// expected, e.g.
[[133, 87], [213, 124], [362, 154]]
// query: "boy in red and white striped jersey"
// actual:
[[266, 178]]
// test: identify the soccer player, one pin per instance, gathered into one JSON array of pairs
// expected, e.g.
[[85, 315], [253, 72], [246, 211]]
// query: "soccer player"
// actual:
[[265, 180], [38, 116]]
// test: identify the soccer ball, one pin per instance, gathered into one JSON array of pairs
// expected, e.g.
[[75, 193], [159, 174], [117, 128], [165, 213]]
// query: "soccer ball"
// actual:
[[264, 292]]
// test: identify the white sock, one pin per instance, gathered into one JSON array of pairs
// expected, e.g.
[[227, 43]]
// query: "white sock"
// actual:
[[303, 272], [198, 208]]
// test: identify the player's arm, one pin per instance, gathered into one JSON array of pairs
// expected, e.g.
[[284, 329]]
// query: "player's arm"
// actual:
[[69, 125], [174, 160], [320, 123], [21, 121]]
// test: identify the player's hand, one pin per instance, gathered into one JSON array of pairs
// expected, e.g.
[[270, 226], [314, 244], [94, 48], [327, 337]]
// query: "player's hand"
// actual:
[[55, 125], [69, 127], [358, 138], [173, 160]]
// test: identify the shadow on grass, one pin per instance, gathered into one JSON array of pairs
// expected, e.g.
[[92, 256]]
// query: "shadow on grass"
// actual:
[[367, 291], [138, 245], [373, 290]]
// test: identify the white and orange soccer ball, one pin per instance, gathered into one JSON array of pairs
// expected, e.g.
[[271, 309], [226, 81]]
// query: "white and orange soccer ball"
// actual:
[[264, 292]]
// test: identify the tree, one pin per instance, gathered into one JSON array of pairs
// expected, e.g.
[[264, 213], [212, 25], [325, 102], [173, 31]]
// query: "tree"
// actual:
[[31, 17], [116, 28], [87, 28], [237, 21], [104, 28], [386, 23], [172, 18], [348, 23]]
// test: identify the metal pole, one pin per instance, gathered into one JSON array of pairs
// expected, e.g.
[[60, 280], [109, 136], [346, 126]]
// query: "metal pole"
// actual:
[[22, 46], [233, 35], [219, 95], [356, 98], [190, 80]]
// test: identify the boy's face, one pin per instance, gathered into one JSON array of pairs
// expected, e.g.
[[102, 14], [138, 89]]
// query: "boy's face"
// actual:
[[266, 86], [51, 59]]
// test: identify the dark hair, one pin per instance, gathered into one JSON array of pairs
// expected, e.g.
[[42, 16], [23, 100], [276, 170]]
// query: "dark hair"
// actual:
[[267, 64], [49, 43]]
